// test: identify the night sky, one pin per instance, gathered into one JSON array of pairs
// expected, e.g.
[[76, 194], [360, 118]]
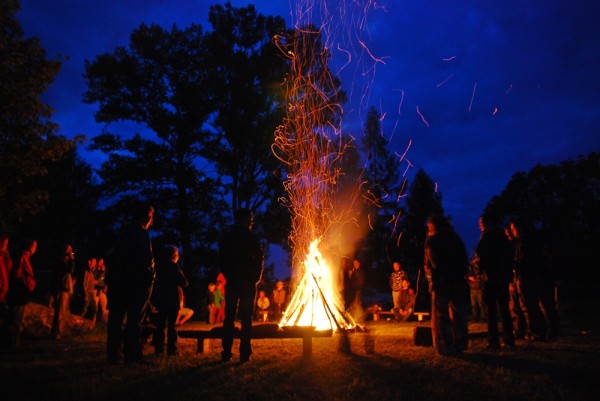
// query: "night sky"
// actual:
[[500, 85]]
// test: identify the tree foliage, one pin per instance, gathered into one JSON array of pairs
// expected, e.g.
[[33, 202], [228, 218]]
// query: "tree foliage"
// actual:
[[381, 192], [161, 83], [248, 72], [28, 139], [562, 201], [422, 201]]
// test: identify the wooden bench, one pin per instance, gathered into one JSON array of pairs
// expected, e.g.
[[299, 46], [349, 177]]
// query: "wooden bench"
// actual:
[[259, 331], [377, 314], [420, 315]]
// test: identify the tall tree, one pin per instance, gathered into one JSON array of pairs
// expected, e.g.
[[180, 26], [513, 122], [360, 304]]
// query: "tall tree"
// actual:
[[422, 201], [28, 139], [248, 96], [381, 192], [161, 83], [70, 215]]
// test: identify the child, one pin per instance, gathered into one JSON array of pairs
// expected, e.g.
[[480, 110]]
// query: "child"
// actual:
[[210, 300], [219, 303]]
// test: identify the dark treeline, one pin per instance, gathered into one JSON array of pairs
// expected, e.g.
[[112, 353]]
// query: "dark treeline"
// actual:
[[206, 103], [562, 202]]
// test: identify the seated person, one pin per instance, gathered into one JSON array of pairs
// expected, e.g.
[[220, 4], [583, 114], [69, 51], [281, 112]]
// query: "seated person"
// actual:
[[262, 306], [185, 314], [406, 301]]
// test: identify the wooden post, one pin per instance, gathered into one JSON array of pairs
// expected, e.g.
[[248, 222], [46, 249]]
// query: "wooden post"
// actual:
[[204, 345]]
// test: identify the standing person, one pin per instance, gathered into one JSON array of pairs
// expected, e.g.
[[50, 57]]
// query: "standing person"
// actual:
[[357, 284], [494, 261], [63, 290], [516, 310], [210, 300], [90, 302], [549, 298], [167, 298], [6, 265], [478, 310], [396, 285], [279, 300], [100, 287], [529, 267], [446, 266], [344, 284], [21, 285], [129, 279], [219, 297], [241, 262]]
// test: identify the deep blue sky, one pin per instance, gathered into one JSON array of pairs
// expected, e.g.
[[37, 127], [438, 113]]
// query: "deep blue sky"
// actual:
[[502, 85]]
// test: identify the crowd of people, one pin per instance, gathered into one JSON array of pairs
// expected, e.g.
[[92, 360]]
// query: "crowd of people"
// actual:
[[511, 274], [509, 280], [18, 282]]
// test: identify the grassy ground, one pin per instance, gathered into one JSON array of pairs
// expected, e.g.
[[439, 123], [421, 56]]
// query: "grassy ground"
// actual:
[[383, 364]]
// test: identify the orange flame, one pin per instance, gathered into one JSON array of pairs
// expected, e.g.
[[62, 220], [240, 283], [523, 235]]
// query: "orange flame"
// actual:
[[316, 302]]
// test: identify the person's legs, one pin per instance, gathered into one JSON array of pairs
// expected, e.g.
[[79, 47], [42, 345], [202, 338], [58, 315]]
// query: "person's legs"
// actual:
[[503, 297], [172, 331], [17, 313], [61, 305], [519, 323], [136, 311], [102, 308], [114, 333], [396, 301], [228, 323], [460, 316], [489, 297], [245, 308], [441, 331], [535, 318], [159, 333], [183, 315], [548, 299]]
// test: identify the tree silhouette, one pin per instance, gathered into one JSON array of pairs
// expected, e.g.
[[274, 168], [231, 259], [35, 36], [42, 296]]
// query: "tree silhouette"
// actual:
[[562, 201], [161, 83], [421, 202], [381, 191], [248, 72], [28, 139]]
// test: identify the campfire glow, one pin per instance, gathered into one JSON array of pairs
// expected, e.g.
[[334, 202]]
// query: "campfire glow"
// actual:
[[316, 303]]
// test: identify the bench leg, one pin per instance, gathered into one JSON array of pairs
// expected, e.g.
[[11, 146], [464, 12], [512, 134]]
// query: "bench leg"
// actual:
[[203, 345], [306, 346]]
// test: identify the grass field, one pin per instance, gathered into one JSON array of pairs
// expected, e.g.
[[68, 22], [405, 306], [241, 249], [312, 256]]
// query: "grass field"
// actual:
[[383, 364]]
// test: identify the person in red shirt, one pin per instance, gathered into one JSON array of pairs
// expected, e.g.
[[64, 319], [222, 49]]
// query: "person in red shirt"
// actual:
[[21, 285]]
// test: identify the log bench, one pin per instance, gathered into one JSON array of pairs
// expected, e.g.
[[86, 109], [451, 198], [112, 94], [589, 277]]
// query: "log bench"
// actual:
[[259, 331]]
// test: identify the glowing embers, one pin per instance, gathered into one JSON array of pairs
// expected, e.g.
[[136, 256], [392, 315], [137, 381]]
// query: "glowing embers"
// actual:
[[316, 301]]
